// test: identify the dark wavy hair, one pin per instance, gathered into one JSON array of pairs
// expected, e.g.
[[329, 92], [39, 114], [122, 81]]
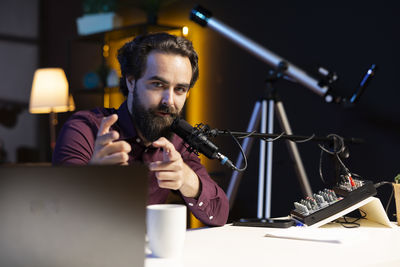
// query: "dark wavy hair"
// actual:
[[132, 56]]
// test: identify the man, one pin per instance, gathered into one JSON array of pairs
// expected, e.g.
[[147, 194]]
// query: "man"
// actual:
[[157, 72]]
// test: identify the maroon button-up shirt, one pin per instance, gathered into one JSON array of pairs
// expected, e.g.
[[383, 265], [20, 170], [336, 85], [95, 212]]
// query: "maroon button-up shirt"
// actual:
[[75, 145]]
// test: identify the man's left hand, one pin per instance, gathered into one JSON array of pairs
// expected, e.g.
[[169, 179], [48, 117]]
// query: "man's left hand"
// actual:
[[172, 172]]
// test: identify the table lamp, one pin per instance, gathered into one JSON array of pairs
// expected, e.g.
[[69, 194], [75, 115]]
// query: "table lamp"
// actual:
[[49, 94]]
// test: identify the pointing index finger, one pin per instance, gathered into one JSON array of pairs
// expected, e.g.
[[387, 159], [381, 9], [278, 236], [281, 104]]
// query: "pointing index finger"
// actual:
[[106, 124], [169, 152]]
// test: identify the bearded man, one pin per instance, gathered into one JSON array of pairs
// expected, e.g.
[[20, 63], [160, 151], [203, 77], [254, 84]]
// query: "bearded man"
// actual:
[[158, 71]]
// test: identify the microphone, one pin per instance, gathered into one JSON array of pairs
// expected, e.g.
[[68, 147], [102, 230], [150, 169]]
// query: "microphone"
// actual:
[[197, 140]]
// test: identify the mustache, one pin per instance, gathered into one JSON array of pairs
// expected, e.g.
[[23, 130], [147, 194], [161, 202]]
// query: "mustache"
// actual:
[[166, 109]]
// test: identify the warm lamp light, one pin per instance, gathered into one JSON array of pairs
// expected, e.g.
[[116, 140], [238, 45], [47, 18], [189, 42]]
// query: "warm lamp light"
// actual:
[[49, 94], [49, 91]]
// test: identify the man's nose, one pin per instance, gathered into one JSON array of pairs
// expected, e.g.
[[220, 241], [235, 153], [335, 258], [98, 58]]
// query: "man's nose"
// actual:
[[168, 97]]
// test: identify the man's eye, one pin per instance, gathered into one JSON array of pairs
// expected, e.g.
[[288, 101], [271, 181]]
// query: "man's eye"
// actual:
[[181, 89], [157, 84]]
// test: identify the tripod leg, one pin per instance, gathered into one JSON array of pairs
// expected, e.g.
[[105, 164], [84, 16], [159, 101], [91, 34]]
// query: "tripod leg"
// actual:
[[261, 165], [246, 145], [267, 177], [293, 151]]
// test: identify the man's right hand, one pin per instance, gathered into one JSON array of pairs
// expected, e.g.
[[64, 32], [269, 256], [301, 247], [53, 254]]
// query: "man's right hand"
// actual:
[[106, 151]]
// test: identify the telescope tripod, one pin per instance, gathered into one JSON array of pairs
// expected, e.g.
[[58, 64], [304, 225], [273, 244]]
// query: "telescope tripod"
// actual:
[[263, 118]]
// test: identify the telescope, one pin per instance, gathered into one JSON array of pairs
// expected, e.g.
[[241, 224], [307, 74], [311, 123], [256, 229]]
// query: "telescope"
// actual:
[[322, 87]]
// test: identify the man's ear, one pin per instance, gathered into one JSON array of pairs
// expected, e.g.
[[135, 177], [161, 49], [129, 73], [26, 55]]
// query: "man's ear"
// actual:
[[130, 83]]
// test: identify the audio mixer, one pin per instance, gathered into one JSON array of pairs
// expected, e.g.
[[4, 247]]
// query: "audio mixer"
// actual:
[[328, 202]]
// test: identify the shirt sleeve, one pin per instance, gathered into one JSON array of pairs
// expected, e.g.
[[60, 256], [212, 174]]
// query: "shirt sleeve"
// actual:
[[212, 206], [75, 143]]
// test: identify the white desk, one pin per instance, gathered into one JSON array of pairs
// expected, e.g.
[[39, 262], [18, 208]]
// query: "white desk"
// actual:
[[369, 245]]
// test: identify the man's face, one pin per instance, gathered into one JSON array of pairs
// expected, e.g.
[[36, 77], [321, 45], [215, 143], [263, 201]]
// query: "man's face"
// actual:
[[160, 94]]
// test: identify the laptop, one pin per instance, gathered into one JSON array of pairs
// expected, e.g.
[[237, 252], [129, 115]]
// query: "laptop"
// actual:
[[73, 216]]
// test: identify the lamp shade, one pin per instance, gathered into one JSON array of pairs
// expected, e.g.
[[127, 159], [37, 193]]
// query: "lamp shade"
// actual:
[[49, 91]]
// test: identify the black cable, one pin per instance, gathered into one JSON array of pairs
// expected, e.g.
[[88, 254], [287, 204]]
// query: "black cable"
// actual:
[[268, 139], [323, 149], [241, 151], [273, 139], [265, 139], [354, 223], [381, 183], [335, 153], [304, 140], [245, 136], [320, 167], [335, 137]]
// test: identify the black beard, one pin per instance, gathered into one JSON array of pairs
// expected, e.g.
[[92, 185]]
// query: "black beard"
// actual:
[[151, 125]]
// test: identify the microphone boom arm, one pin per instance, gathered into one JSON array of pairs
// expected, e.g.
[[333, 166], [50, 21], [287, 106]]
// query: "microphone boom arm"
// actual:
[[299, 138]]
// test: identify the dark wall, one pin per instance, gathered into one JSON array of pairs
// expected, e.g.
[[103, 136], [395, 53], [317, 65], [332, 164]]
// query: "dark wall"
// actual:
[[57, 30], [345, 38]]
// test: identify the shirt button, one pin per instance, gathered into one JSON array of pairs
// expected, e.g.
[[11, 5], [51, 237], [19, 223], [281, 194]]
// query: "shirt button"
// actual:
[[191, 204], [211, 217], [201, 204], [137, 140]]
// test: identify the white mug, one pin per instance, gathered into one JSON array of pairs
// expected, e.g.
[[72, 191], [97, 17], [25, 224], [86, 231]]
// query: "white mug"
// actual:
[[166, 229]]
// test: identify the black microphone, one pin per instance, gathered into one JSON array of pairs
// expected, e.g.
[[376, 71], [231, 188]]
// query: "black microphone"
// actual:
[[197, 141]]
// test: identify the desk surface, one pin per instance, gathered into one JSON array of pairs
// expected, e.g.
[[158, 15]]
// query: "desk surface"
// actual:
[[369, 245]]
